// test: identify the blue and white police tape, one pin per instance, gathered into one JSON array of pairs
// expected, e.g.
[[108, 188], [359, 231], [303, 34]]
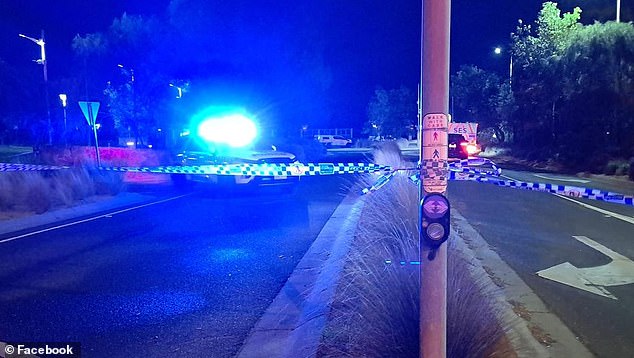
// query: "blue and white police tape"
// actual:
[[564, 190], [380, 182], [266, 169], [10, 167], [465, 166]]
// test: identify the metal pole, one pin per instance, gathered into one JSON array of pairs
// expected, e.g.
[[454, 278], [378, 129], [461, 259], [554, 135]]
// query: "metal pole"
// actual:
[[48, 107], [93, 121], [65, 126], [618, 10], [511, 71], [435, 99]]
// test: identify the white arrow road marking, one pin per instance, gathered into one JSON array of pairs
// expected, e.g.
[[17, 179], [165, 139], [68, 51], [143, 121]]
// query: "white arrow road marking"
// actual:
[[572, 180], [594, 279]]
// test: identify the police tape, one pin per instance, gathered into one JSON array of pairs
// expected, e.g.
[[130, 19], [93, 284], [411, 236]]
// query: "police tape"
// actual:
[[264, 169], [466, 174], [564, 190], [11, 167], [462, 170]]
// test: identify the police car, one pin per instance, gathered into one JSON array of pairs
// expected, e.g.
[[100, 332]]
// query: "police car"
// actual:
[[252, 155], [230, 139]]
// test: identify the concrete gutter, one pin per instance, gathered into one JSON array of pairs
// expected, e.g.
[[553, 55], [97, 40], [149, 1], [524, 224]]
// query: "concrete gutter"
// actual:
[[293, 323], [536, 332]]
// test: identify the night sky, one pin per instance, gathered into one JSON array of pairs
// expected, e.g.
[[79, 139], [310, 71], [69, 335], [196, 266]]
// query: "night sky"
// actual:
[[364, 43]]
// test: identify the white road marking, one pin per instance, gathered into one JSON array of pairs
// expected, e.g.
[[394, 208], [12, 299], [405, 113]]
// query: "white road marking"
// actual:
[[90, 219], [572, 180], [608, 213], [620, 271], [625, 218]]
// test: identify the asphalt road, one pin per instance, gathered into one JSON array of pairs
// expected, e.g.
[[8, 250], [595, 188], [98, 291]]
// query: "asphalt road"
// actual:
[[535, 231], [187, 277]]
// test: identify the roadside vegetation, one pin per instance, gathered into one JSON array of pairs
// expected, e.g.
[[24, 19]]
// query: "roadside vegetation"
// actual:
[[567, 99], [375, 313], [26, 192]]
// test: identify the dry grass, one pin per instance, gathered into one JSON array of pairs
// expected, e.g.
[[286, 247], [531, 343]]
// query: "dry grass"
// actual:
[[376, 308], [39, 191]]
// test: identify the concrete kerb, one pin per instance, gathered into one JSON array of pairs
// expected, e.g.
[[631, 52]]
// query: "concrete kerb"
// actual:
[[293, 323], [561, 343]]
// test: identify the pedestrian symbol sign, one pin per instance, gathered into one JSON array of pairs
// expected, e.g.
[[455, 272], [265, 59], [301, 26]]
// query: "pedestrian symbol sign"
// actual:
[[90, 110]]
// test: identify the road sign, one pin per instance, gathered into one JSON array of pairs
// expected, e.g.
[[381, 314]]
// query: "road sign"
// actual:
[[468, 130], [435, 121], [435, 138], [435, 206], [90, 110], [435, 153]]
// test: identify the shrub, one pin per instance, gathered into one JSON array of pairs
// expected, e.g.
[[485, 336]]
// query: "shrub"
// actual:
[[631, 169], [39, 191], [616, 167], [376, 309]]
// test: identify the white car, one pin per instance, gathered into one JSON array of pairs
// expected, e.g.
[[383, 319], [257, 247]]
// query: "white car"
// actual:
[[334, 141]]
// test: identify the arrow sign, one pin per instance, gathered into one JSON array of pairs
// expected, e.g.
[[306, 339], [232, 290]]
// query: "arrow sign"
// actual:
[[593, 279], [435, 206], [90, 110]]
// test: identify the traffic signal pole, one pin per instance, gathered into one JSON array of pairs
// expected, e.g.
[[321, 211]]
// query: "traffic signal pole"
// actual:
[[434, 207]]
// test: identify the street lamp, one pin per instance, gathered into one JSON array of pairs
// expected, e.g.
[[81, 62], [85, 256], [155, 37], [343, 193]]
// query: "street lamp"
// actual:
[[179, 89], [42, 61], [498, 51], [63, 97], [131, 70]]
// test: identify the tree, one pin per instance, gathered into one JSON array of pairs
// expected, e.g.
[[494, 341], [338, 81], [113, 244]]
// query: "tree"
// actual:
[[598, 87], [536, 80], [392, 112], [481, 96]]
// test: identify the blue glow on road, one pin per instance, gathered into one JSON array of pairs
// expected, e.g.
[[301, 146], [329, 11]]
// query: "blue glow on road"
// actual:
[[235, 130]]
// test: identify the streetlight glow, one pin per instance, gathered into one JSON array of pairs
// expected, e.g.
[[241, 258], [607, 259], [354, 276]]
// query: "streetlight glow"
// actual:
[[63, 97], [497, 50]]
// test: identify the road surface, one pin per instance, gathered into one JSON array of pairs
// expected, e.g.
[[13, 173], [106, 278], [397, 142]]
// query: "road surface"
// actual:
[[188, 276], [576, 255]]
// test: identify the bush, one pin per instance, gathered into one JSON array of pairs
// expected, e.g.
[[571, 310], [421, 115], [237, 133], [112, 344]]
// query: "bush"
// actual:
[[376, 309], [39, 191], [631, 169], [616, 167]]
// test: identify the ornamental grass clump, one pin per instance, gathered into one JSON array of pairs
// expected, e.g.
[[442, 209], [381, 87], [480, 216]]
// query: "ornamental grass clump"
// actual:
[[376, 308]]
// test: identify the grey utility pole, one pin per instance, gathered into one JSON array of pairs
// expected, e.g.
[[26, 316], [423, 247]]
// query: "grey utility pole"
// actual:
[[434, 207]]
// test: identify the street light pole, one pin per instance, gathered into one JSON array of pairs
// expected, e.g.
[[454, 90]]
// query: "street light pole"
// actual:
[[498, 51], [618, 10], [42, 61], [63, 98]]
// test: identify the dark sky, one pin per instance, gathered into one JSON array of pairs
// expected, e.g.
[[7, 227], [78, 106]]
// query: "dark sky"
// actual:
[[365, 43]]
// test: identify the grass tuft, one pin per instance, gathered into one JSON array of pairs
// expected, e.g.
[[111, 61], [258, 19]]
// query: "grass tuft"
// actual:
[[40, 191], [376, 308]]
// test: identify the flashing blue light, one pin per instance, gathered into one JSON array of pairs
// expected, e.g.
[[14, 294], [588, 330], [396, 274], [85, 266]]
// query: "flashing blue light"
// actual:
[[235, 130]]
